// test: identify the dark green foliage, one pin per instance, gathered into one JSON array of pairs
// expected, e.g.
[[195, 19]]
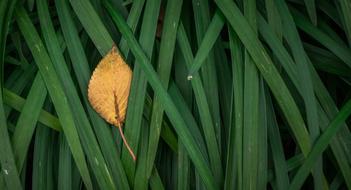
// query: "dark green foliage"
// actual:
[[246, 94]]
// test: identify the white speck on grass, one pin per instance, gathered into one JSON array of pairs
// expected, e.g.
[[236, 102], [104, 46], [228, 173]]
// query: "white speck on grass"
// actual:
[[96, 161], [190, 77], [174, 24], [6, 172]]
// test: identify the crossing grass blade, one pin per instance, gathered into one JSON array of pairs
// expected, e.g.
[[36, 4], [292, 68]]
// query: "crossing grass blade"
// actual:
[[202, 19], [184, 86], [291, 35], [17, 103], [138, 87], [340, 50], [89, 142], [93, 25], [20, 78], [9, 172], [251, 92], [164, 66], [208, 41], [268, 71], [188, 118], [132, 21], [275, 141], [208, 125], [55, 90], [323, 96], [320, 145], [326, 61], [82, 72], [27, 121], [170, 108], [8, 165]]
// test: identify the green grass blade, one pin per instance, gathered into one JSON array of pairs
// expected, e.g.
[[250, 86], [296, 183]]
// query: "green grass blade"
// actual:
[[16, 102], [8, 165], [141, 179], [18, 82], [82, 72], [180, 78], [27, 121], [336, 183], [262, 138], [188, 118], [326, 101], [280, 166], [291, 35], [12, 60], [93, 25], [17, 42], [170, 108], [9, 172], [234, 167], [40, 158], [64, 181], [343, 52], [273, 18], [183, 177], [138, 87], [225, 87], [311, 10], [346, 17], [132, 21], [55, 90], [268, 71], [251, 123], [207, 43], [51, 163], [102, 173], [164, 66], [326, 61], [208, 125], [202, 19], [166, 132], [337, 145], [155, 181], [6, 14], [320, 145]]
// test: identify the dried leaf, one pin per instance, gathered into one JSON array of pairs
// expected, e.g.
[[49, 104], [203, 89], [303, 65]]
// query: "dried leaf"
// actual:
[[108, 90], [109, 87]]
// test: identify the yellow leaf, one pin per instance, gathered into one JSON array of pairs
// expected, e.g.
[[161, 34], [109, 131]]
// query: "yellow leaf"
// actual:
[[109, 88]]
